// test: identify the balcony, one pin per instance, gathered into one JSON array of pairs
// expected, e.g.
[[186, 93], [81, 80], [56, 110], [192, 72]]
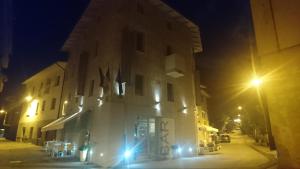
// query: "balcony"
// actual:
[[175, 65]]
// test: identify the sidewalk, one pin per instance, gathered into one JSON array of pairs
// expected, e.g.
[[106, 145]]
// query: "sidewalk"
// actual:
[[271, 155]]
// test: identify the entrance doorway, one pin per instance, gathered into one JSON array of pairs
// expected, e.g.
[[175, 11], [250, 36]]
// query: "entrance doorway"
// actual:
[[144, 137]]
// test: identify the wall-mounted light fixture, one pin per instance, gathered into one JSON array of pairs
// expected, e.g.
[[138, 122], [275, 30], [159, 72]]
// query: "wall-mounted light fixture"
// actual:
[[157, 105], [28, 98], [184, 110]]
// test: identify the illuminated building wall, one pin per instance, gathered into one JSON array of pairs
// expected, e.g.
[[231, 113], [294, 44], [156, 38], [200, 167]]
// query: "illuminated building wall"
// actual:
[[41, 103], [276, 25], [154, 52]]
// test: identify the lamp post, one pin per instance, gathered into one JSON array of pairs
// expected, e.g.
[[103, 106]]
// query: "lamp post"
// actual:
[[257, 83]]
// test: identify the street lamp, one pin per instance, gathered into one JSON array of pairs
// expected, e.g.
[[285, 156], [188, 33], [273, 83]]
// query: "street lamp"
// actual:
[[240, 108], [257, 83]]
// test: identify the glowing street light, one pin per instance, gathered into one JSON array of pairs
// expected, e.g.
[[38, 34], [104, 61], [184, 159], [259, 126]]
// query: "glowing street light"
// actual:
[[240, 107], [2, 111], [256, 82]]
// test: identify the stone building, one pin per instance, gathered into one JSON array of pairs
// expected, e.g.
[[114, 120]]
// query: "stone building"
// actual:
[[276, 25], [42, 103], [130, 82]]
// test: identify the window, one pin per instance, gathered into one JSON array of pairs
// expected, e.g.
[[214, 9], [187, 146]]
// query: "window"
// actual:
[[91, 90], [140, 41], [170, 92], [31, 133], [37, 108], [33, 90], [23, 131], [47, 87], [43, 105], [57, 81], [169, 26], [40, 89], [139, 85], [140, 8], [39, 132], [169, 50], [53, 103]]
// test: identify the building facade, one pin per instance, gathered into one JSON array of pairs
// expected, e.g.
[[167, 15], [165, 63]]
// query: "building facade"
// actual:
[[276, 25], [130, 82], [41, 104]]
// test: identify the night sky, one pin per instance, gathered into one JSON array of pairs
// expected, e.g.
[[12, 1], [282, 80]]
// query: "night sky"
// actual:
[[42, 26]]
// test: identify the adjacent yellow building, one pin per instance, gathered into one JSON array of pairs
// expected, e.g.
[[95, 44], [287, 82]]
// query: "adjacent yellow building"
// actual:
[[277, 31], [41, 103]]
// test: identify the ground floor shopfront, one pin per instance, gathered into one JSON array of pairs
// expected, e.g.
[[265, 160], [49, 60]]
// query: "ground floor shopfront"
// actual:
[[32, 132], [117, 132]]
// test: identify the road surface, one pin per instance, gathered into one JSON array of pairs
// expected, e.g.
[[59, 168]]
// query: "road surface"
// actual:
[[235, 155]]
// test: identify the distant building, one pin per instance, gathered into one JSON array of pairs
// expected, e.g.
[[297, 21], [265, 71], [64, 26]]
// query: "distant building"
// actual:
[[130, 82], [42, 103], [12, 108], [277, 30]]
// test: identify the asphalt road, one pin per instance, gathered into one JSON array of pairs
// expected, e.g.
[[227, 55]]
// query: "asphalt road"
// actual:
[[235, 155]]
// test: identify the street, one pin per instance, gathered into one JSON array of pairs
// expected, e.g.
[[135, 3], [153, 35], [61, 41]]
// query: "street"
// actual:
[[237, 154]]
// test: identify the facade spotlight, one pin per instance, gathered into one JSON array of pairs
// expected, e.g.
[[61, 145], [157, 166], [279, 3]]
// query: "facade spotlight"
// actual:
[[28, 98], [179, 150], [256, 82], [127, 154]]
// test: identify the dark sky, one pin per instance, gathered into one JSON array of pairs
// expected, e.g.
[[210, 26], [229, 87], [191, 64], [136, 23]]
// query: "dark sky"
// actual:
[[42, 26]]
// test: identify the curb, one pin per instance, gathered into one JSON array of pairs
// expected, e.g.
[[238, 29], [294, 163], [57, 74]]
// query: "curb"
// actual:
[[272, 161]]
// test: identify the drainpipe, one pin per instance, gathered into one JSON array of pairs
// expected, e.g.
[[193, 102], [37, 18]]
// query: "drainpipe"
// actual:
[[62, 88]]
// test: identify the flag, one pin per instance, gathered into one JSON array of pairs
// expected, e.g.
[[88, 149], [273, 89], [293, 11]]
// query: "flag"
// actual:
[[119, 81], [107, 76], [102, 78]]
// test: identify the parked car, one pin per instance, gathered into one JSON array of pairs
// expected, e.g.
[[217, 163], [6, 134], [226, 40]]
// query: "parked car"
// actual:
[[225, 138]]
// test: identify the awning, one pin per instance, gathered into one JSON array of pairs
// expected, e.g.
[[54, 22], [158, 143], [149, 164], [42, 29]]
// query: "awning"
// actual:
[[208, 128], [59, 123]]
